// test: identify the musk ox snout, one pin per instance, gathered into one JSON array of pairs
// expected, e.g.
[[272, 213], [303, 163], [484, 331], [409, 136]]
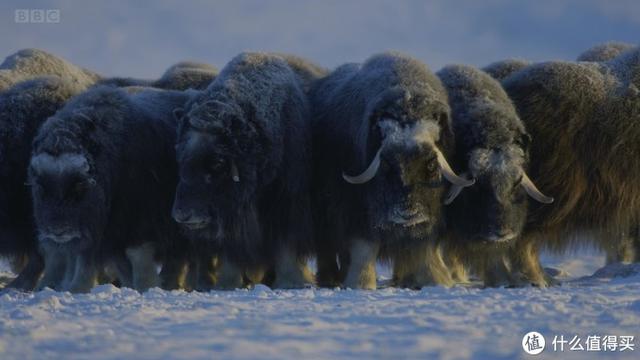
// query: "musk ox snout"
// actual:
[[190, 218]]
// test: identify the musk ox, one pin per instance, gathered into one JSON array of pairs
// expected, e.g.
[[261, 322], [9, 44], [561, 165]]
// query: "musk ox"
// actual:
[[244, 153], [29, 63], [584, 118], [499, 70], [381, 131], [23, 108], [604, 52], [181, 76], [492, 147], [103, 176]]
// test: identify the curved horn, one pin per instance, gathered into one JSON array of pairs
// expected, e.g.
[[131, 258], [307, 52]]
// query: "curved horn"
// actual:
[[449, 174], [235, 175], [454, 191], [368, 174], [533, 191]]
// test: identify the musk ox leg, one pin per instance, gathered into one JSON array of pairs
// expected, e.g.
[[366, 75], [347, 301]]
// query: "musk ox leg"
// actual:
[[69, 271], [328, 274], [86, 273], [362, 268], [30, 274], [255, 275], [457, 268], [291, 271], [143, 266], [121, 267], [174, 272], [202, 273], [54, 268], [496, 270], [230, 276], [420, 266], [526, 267], [624, 250]]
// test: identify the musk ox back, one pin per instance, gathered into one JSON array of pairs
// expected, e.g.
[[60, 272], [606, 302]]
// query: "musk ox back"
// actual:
[[22, 109], [381, 132], [500, 70], [492, 146], [29, 63], [98, 164], [244, 155], [583, 118], [604, 52]]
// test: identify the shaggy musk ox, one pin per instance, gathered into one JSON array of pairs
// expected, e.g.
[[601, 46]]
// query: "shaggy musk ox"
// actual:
[[181, 76], [499, 70], [30, 63], [585, 122], [244, 157], [22, 109], [604, 52], [103, 177], [492, 147], [381, 132]]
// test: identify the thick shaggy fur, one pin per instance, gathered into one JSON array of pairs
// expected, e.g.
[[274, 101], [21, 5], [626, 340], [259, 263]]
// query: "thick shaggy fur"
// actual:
[[604, 52], [120, 195], [491, 147], [391, 99], [181, 76], [584, 119], [254, 117], [22, 109], [499, 70], [29, 63]]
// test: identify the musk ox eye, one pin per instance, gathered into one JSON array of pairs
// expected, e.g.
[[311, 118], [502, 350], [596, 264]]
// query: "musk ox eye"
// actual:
[[208, 178]]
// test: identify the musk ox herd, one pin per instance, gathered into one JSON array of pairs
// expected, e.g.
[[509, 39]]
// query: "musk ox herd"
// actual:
[[219, 180]]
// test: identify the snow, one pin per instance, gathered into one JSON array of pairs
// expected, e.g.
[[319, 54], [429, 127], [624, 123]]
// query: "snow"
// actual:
[[435, 322]]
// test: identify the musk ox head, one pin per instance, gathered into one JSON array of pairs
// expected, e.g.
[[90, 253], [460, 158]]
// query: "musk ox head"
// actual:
[[220, 159], [66, 198], [495, 208], [401, 163]]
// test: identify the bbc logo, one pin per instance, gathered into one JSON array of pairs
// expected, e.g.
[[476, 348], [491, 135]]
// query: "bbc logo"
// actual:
[[37, 16]]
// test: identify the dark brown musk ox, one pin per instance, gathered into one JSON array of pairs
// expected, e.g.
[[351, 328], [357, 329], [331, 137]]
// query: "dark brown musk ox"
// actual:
[[244, 153], [27, 103], [103, 176], [628, 248], [492, 147], [23, 108], [382, 131], [585, 121]]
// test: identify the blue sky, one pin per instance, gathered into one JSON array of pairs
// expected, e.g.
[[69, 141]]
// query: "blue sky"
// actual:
[[142, 38]]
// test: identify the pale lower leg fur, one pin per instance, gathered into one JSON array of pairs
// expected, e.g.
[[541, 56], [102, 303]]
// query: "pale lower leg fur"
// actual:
[[362, 267], [144, 273]]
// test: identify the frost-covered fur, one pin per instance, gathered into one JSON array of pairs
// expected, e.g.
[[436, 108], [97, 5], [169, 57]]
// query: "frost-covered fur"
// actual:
[[244, 154], [390, 99], [492, 146], [116, 189], [499, 70], [29, 63], [22, 109], [605, 51], [181, 76], [584, 119]]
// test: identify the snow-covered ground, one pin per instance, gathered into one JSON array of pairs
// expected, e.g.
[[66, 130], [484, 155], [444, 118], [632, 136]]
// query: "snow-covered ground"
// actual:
[[460, 322]]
